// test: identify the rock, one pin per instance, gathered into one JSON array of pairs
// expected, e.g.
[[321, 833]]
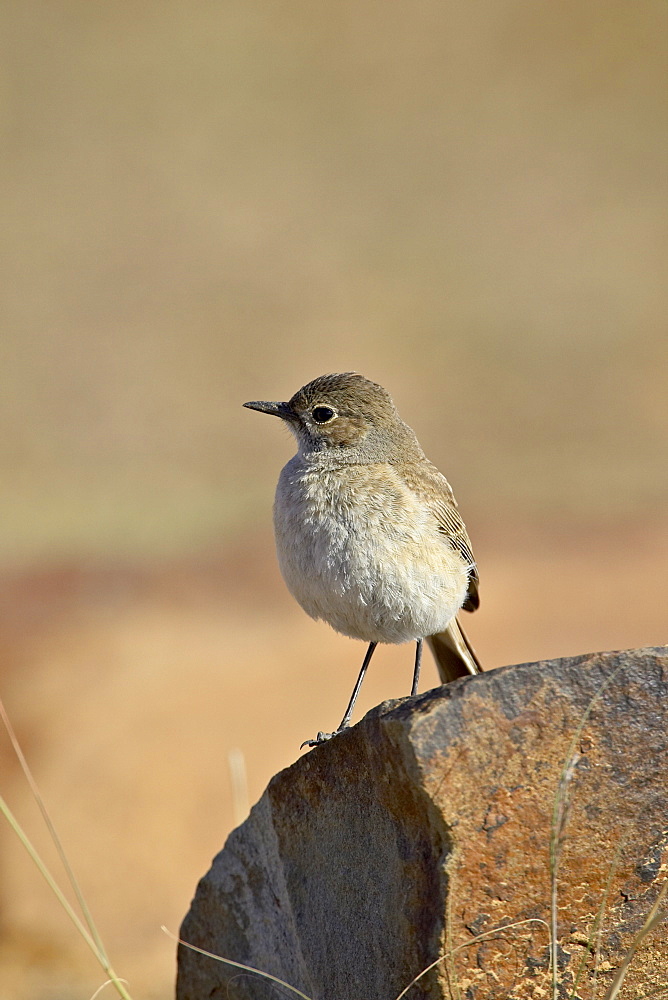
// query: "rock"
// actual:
[[425, 831]]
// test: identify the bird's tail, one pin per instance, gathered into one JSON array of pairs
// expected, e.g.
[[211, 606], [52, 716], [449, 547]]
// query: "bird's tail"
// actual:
[[455, 656]]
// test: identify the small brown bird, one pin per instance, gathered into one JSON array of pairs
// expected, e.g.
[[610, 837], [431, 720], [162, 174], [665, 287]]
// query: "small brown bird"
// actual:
[[368, 534]]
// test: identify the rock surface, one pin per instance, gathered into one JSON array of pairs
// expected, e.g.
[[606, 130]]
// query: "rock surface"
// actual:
[[425, 831]]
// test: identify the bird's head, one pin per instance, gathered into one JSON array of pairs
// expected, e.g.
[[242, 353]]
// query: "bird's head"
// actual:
[[345, 419]]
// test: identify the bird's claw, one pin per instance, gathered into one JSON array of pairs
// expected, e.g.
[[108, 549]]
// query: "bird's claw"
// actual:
[[320, 738]]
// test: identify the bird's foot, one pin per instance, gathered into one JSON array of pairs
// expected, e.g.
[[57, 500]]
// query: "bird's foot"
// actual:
[[322, 738]]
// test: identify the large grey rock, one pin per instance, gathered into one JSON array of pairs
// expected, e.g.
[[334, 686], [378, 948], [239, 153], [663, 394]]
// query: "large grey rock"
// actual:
[[429, 824]]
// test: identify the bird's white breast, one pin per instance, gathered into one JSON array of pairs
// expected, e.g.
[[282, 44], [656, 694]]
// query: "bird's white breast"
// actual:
[[358, 549]]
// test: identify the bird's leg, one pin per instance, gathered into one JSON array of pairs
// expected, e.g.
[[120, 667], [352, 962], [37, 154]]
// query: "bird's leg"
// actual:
[[416, 671], [345, 721]]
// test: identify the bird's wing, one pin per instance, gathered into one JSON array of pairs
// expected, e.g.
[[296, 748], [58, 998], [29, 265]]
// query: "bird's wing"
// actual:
[[434, 490]]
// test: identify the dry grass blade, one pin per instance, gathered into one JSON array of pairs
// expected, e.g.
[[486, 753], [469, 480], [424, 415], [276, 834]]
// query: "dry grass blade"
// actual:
[[89, 933], [559, 820], [654, 917], [598, 925], [467, 944], [236, 965], [64, 902], [597, 929], [103, 986], [450, 969], [53, 833]]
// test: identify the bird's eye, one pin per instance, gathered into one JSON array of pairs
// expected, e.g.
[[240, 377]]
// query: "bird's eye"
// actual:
[[322, 414]]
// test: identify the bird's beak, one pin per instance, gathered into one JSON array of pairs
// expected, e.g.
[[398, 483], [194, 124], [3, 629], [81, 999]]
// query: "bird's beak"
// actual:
[[282, 410]]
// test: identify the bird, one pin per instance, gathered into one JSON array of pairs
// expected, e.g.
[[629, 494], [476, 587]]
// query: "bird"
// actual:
[[368, 533]]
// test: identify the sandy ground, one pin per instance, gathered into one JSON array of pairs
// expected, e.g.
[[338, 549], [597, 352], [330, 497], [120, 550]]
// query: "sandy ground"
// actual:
[[129, 687]]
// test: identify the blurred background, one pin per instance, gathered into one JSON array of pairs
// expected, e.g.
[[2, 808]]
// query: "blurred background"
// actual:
[[206, 203]]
